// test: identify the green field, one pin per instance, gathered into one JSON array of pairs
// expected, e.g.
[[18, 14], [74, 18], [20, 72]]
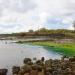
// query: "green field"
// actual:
[[63, 48]]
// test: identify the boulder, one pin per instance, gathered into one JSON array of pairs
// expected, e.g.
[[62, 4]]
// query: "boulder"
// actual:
[[3, 71], [26, 60], [15, 70]]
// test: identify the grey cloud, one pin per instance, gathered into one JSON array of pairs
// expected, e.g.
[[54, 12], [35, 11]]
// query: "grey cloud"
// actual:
[[20, 21], [7, 26], [18, 5], [70, 8]]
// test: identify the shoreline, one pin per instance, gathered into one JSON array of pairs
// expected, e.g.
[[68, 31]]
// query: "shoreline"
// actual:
[[64, 48]]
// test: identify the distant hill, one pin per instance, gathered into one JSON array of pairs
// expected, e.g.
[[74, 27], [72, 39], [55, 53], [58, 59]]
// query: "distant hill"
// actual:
[[59, 33]]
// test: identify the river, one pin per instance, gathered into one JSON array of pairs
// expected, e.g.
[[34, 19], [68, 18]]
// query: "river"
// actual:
[[12, 54]]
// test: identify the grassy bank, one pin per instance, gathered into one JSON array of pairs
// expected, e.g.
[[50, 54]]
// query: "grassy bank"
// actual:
[[64, 48]]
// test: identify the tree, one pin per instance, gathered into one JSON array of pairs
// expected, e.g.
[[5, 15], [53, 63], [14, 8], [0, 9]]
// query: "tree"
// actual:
[[31, 31], [43, 30], [74, 25]]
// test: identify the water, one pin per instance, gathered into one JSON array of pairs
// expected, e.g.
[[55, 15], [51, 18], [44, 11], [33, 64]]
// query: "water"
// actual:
[[12, 54]]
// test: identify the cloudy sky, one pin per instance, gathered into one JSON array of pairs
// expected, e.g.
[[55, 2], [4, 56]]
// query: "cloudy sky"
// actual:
[[22, 15]]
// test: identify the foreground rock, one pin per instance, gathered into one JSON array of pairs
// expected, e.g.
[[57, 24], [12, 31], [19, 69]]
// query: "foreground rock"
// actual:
[[3, 71], [65, 66]]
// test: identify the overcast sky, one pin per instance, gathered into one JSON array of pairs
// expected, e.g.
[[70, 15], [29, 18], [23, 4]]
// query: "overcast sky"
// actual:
[[22, 15]]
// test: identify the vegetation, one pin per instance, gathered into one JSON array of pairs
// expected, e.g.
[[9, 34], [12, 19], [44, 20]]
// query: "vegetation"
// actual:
[[64, 48], [59, 33]]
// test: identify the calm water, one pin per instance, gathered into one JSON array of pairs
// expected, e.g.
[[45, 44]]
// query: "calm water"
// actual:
[[13, 54]]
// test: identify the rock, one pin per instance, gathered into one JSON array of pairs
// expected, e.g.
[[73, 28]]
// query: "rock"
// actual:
[[65, 66], [26, 74], [26, 69], [40, 73], [35, 58], [34, 67], [26, 60], [72, 59], [48, 63], [34, 72], [48, 71], [42, 59], [39, 62], [3, 71], [39, 68], [15, 69]]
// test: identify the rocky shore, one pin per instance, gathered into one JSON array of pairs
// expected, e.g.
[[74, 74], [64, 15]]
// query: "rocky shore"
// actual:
[[63, 66]]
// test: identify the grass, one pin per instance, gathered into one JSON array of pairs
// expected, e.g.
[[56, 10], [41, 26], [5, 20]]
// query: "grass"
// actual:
[[64, 48]]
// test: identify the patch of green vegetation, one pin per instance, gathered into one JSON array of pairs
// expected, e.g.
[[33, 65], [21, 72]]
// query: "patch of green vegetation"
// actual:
[[64, 48]]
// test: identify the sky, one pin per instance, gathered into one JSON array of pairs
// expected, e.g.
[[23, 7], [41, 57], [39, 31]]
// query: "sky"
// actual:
[[22, 15]]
